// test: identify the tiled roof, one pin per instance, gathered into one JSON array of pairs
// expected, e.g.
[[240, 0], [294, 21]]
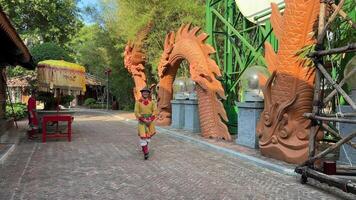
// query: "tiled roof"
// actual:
[[92, 80], [20, 81]]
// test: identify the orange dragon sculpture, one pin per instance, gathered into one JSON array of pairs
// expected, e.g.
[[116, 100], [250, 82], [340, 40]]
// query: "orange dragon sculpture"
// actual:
[[134, 60], [283, 131], [187, 45]]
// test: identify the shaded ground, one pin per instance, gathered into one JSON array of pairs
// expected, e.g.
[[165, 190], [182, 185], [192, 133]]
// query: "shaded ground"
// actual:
[[104, 161]]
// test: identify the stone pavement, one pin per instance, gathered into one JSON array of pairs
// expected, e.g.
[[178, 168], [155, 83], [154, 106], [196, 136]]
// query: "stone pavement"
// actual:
[[104, 161]]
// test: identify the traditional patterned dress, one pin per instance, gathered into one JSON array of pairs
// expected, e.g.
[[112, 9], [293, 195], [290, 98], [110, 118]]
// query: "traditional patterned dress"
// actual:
[[145, 109], [145, 112]]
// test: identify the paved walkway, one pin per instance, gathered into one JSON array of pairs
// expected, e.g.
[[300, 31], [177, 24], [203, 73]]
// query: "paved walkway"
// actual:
[[104, 161]]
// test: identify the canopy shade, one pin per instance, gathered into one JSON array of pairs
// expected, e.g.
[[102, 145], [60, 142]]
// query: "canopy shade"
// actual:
[[59, 74]]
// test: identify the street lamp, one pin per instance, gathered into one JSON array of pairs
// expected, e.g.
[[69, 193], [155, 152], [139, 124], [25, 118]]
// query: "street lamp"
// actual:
[[107, 73]]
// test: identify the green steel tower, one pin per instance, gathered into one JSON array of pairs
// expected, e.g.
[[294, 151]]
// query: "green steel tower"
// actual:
[[239, 44]]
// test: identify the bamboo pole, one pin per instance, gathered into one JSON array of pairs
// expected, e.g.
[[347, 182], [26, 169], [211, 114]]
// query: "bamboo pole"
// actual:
[[340, 115], [336, 134], [342, 82], [330, 130], [345, 49], [344, 15], [322, 30], [316, 97], [329, 149], [333, 119], [336, 86], [345, 185]]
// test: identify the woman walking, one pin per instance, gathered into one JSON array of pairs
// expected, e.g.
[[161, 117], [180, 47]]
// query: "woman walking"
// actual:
[[145, 112]]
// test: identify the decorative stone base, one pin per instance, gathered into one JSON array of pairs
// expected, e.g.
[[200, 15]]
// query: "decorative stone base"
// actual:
[[191, 113], [185, 115], [177, 114], [249, 114]]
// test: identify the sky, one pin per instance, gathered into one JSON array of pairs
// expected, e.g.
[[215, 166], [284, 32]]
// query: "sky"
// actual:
[[84, 3]]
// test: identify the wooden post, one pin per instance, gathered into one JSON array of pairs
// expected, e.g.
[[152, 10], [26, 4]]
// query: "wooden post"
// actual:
[[347, 98], [344, 15], [342, 82], [2, 93], [322, 29], [316, 99], [330, 149]]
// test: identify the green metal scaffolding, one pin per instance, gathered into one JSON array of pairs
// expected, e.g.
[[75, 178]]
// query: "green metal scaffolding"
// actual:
[[239, 45]]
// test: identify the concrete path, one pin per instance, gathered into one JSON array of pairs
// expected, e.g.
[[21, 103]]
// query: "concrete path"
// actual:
[[104, 161]]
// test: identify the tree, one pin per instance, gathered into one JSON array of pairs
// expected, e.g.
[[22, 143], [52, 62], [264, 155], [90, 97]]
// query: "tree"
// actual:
[[101, 45], [91, 47], [44, 51], [125, 18], [49, 51], [94, 48], [50, 21]]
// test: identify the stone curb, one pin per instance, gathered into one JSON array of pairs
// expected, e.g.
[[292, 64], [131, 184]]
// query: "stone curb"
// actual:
[[8, 152], [251, 159]]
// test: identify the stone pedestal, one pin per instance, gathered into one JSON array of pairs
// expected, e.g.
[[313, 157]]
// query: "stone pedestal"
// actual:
[[191, 113], [249, 114], [177, 113], [346, 151]]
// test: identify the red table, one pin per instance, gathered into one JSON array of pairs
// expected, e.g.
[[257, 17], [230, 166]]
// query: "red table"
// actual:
[[56, 118]]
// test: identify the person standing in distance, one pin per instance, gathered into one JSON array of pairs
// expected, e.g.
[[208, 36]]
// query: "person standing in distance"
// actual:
[[145, 112]]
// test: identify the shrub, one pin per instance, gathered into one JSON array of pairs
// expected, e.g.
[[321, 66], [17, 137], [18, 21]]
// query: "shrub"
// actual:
[[128, 107], [97, 106], [89, 101], [48, 99], [65, 100], [20, 111]]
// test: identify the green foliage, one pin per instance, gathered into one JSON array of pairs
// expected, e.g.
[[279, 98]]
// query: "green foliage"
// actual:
[[343, 30], [19, 71], [44, 20], [92, 47], [121, 85], [125, 18], [303, 55], [66, 99], [50, 101], [97, 106], [20, 111], [101, 45], [96, 49], [50, 51], [128, 107], [89, 101], [330, 138]]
